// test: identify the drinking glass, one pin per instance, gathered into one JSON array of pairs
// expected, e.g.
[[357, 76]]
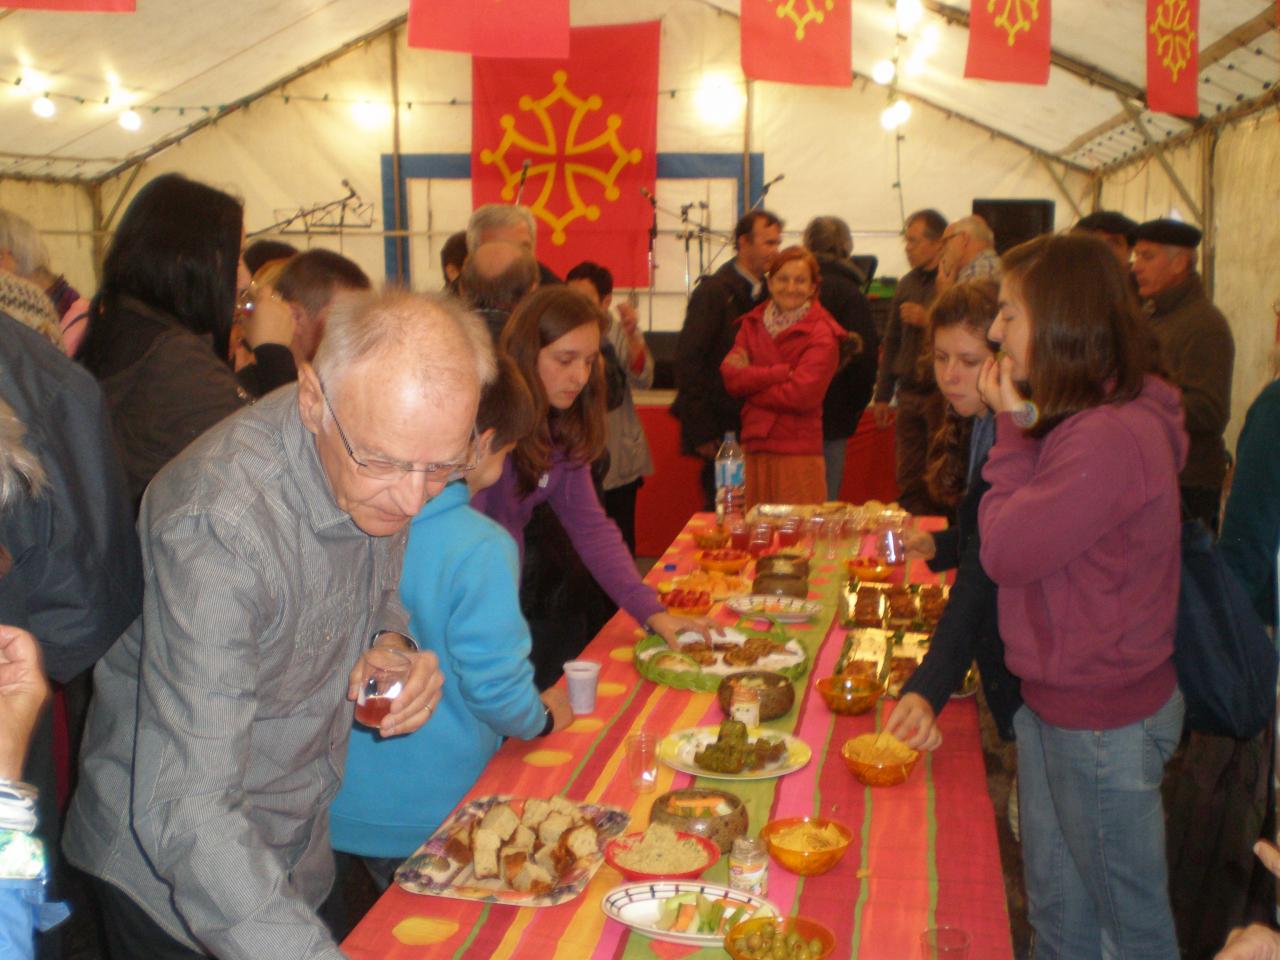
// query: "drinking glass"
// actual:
[[388, 671]]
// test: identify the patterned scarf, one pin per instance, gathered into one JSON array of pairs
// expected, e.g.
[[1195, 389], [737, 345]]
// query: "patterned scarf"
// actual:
[[776, 321]]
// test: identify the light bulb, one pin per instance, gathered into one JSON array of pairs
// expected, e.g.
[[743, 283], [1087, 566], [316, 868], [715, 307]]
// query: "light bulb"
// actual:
[[718, 100], [43, 107], [882, 73], [369, 115], [903, 110], [888, 118], [910, 12], [130, 120], [915, 65]]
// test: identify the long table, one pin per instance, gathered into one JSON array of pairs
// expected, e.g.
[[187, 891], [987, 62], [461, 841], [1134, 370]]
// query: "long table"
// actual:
[[924, 854]]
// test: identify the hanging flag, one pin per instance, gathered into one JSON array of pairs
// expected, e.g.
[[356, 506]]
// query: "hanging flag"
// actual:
[[575, 140], [1009, 40], [491, 28], [1173, 57], [797, 41], [72, 6]]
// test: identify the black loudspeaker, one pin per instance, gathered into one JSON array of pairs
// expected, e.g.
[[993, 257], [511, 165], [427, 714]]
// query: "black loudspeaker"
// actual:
[[1015, 221]]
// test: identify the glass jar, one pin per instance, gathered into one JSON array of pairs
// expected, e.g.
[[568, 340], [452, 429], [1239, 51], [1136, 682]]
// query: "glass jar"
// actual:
[[749, 866], [744, 705]]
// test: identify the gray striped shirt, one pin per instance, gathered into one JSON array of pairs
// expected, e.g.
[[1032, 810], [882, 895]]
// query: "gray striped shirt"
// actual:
[[226, 698]]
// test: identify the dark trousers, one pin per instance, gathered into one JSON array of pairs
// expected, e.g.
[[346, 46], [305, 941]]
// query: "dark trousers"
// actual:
[[707, 477], [1202, 504], [130, 933], [620, 505]]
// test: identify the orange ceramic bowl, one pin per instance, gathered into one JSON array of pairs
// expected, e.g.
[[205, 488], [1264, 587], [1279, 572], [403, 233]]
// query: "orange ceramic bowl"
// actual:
[[725, 561], [872, 770], [807, 863], [710, 538], [868, 568], [810, 930], [850, 696]]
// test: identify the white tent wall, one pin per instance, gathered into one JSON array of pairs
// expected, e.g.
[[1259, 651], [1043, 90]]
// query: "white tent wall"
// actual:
[[63, 212], [281, 156]]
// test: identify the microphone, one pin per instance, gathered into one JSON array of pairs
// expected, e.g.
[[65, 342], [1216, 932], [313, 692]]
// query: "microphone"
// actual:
[[351, 191], [765, 188], [649, 196]]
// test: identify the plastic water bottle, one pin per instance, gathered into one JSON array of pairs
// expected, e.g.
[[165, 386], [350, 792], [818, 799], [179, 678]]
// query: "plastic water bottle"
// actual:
[[731, 478]]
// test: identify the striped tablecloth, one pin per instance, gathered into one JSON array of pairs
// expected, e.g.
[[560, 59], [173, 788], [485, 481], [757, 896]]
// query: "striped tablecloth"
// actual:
[[924, 854]]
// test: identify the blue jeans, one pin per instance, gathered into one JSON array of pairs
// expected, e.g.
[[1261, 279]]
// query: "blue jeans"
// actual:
[[1093, 836]]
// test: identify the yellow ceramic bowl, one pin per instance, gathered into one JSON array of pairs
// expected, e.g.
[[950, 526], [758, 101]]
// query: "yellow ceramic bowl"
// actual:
[[807, 863]]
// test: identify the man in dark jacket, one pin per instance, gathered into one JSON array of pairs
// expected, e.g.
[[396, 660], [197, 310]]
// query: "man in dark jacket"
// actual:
[[703, 406], [1197, 351], [70, 569], [840, 291]]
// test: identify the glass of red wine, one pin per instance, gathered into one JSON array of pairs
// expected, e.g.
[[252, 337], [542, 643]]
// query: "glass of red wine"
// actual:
[[387, 671]]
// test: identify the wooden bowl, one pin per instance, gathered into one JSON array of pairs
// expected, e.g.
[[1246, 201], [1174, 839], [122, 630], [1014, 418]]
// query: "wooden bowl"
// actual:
[[619, 845], [692, 811], [807, 863], [850, 696], [777, 695], [874, 771], [808, 929], [779, 585], [787, 564]]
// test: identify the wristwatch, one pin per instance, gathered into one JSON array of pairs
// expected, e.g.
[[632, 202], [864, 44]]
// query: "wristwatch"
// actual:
[[1025, 415], [549, 721]]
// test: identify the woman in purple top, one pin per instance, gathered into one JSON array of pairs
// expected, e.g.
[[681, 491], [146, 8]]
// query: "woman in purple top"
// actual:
[[1080, 532], [554, 338]]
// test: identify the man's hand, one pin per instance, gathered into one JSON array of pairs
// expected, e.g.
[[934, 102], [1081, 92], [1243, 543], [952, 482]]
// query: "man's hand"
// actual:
[[913, 314], [919, 544], [271, 320], [708, 450], [1254, 942], [420, 694], [556, 699], [947, 271], [23, 694], [629, 319], [883, 415], [912, 721]]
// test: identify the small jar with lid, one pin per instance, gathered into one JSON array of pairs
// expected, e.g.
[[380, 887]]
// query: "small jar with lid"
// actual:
[[749, 866], [744, 705]]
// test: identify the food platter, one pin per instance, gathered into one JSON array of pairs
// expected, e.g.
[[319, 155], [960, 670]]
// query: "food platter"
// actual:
[[782, 609], [637, 905], [692, 668], [435, 869], [677, 751]]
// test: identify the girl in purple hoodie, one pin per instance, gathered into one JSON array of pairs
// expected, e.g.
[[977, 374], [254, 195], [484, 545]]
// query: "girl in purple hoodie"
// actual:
[[1080, 532]]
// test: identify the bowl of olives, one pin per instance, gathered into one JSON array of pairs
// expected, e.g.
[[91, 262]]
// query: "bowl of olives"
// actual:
[[775, 938]]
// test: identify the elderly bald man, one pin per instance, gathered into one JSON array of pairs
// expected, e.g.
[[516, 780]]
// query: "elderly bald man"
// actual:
[[272, 549], [495, 277], [968, 253]]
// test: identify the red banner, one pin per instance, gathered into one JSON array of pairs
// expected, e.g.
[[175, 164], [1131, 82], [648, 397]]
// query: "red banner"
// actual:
[[491, 28], [1009, 40], [587, 127], [1173, 56], [71, 6], [797, 41]]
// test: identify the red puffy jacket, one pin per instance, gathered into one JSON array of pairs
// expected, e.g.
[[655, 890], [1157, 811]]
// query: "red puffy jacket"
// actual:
[[784, 384]]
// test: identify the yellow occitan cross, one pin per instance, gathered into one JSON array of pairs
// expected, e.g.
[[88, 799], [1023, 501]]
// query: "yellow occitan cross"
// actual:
[[1174, 36], [558, 154], [814, 12], [1016, 16]]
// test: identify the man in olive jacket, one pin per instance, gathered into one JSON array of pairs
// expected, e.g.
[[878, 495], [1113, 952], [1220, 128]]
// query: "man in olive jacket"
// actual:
[[1196, 350]]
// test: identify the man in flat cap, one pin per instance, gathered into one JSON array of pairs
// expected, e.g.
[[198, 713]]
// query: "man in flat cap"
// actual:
[[1112, 228], [1197, 351]]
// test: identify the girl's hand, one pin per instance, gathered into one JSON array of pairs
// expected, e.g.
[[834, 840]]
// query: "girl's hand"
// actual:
[[669, 626], [919, 544], [737, 357], [912, 721]]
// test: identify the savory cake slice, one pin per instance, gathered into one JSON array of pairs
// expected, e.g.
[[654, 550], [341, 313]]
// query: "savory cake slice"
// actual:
[[502, 820]]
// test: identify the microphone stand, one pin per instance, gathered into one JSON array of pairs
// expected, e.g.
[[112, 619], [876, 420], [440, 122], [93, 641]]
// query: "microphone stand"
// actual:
[[653, 263], [764, 192]]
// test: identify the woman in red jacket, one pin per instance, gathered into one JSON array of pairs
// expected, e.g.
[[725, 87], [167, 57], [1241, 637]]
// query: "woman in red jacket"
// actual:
[[781, 364]]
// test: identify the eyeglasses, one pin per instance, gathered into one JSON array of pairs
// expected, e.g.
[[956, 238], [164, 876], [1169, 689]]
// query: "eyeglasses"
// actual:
[[392, 471], [249, 298]]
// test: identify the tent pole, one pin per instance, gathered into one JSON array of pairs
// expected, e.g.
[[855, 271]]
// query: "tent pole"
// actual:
[[1208, 253], [1060, 184], [395, 152], [94, 190], [748, 112], [1157, 151]]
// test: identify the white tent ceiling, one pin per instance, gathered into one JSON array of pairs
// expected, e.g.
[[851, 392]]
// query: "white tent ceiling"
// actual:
[[178, 62]]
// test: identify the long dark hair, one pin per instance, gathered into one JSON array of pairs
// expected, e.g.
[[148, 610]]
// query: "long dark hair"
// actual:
[[1089, 342], [541, 319], [176, 251], [971, 305]]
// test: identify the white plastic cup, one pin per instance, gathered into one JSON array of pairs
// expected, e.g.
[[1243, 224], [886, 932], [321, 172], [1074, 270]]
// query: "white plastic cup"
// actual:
[[582, 677]]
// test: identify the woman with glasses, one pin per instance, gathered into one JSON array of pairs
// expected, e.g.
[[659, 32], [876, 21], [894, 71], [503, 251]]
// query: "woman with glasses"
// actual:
[[554, 337], [160, 323]]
